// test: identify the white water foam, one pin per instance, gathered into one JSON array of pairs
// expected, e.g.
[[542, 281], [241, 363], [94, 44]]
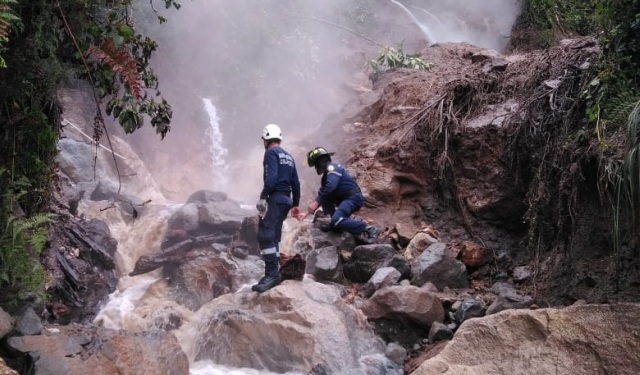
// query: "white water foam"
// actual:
[[210, 368]]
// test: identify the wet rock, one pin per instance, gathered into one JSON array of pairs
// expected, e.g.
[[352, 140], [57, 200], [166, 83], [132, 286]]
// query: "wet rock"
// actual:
[[367, 259], [200, 280], [418, 244], [6, 323], [28, 323], [72, 350], [438, 266], [473, 254], [181, 252], [571, 340], [439, 332], [521, 274], [383, 277], [379, 364], [248, 234], [324, 264], [405, 302], [204, 278], [508, 298], [470, 308], [314, 321], [396, 353], [80, 263], [208, 213]]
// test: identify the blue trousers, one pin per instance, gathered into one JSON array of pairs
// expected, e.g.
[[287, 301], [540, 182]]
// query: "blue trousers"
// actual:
[[270, 231], [341, 216]]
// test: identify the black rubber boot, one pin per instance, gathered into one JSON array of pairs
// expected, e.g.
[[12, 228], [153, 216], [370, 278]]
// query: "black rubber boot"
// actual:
[[267, 283], [271, 274]]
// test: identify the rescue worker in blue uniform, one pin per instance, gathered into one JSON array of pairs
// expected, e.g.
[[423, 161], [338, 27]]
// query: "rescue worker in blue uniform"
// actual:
[[339, 196], [281, 193]]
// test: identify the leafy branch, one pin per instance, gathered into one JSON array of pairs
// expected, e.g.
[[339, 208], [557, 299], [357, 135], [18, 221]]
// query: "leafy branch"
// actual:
[[7, 17], [391, 58]]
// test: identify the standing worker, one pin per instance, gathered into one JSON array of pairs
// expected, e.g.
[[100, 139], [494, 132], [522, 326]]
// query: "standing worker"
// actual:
[[339, 196], [280, 193]]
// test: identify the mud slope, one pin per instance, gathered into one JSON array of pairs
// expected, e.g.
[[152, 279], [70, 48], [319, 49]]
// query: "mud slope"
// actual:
[[478, 149]]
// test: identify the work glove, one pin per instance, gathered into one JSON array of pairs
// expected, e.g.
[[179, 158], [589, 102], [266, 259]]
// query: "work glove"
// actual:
[[261, 206]]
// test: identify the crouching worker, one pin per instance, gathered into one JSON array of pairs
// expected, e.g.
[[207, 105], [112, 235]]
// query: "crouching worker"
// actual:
[[281, 193], [339, 196]]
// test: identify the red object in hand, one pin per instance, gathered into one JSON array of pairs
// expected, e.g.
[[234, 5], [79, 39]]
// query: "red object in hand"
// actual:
[[295, 212], [313, 206]]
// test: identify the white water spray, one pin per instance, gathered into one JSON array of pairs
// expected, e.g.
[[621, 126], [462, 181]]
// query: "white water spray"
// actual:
[[425, 30], [219, 167]]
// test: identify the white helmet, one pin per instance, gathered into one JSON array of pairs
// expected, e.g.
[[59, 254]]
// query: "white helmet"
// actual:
[[271, 131]]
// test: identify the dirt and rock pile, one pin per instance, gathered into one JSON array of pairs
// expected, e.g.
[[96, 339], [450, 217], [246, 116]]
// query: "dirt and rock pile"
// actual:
[[481, 149]]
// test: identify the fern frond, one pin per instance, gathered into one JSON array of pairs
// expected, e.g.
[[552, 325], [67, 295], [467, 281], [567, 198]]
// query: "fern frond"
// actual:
[[121, 62], [6, 17], [619, 107], [31, 229]]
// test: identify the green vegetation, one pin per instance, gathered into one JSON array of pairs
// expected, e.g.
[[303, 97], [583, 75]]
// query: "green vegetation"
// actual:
[[391, 58], [44, 44], [609, 116]]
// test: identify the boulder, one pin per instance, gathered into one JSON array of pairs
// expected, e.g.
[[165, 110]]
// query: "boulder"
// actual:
[[320, 330], [200, 280], [76, 350], [405, 302], [572, 340], [383, 277], [438, 266], [367, 259], [28, 323], [324, 264], [470, 308], [418, 244]]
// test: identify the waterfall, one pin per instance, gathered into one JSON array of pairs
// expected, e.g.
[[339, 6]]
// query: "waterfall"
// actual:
[[219, 167], [425, 30]]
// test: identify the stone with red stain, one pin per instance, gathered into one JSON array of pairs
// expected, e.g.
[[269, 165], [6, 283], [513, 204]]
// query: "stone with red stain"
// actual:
[[473, 254]]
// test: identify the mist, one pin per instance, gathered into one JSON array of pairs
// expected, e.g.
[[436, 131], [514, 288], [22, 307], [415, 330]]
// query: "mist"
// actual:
[[289, 62]]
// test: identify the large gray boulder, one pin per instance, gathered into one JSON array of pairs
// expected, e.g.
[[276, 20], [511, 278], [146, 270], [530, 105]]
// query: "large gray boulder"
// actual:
[[324, 264], [437, 266]]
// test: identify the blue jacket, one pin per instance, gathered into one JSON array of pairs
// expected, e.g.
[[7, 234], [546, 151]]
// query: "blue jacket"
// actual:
[[337, 184], [280, 174]]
